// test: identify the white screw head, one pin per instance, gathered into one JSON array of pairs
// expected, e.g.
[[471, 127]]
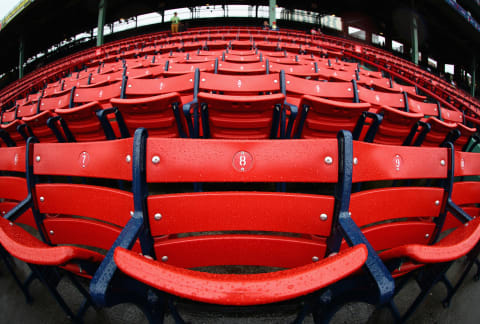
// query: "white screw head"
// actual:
[[128, 158], [156, 159], [427, 235], [442, 162], [328, 160], [37, 158], [315, 259], [355, 161], [437, 202], [42, 199], [158, 216], [164, 258], [10, 223], [131, 213], [323, 217], [51, 232]]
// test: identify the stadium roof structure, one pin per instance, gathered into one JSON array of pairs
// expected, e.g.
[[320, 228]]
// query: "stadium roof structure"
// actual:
[[447, 29]]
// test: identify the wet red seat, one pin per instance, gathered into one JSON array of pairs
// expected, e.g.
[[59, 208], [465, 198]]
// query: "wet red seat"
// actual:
[[254, 289], [22, 245], [188, 231]]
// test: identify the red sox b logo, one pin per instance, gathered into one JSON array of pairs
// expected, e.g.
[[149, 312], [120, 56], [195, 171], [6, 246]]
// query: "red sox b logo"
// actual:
[[242, 161]]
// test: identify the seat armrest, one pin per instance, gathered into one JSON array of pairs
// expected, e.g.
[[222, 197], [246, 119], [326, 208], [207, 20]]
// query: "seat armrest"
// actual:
[[372, 129], [458, 212], [107, 126], [455, 245], [374, 265], [19, 209], [28, 248], [188, 116], [291, 119], [241, 289], [103, 277]]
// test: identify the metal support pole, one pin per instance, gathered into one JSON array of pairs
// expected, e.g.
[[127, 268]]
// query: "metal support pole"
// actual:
[[414, 35], [474, 69], [102, 9], [21, 56], [272, 12]]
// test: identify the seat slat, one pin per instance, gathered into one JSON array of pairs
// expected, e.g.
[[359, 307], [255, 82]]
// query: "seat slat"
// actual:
[[230, 211], [278, 251], [88, 159], [187, 160], [85, 232], [102, 203], [377, 205]]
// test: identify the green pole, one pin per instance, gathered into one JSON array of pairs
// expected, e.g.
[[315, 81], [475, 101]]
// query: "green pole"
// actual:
[[272, 16], [102, 7], [474, 69], [21, 56], [414, 34]]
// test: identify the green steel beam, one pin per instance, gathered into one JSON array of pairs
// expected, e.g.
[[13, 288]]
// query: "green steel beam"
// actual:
[[414, 35], [21, 57], [102, 8], [474, 69], [272, 7]]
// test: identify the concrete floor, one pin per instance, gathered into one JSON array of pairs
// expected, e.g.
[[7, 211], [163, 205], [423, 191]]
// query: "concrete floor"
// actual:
[[465, 307]]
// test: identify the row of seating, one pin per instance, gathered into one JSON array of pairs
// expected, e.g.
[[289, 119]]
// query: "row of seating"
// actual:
[[125, 48], [334, 246], [177, 200], [436, 87], [157, 104], [318, 45]]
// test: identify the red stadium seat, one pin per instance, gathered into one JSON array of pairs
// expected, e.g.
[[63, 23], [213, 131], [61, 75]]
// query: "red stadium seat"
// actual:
[[407, 234], [465, 195], [398, 127], [81, 123], [259, 100], [323, 118], [13, 189], [155, 104], [69, 214], [225, 67], [297, 87], [166, 262]]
